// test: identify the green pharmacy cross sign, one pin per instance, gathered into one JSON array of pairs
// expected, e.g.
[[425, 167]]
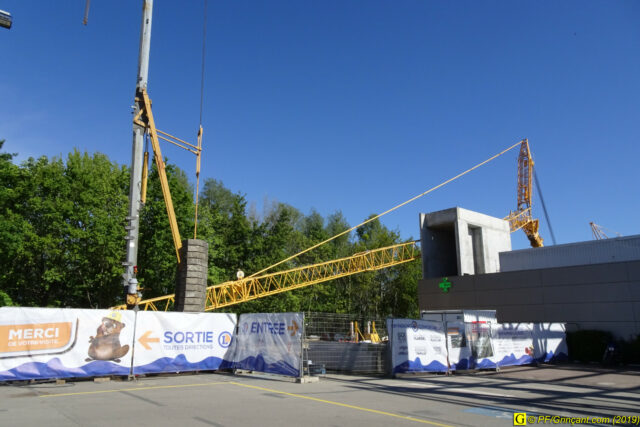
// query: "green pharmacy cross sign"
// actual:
[[445, 285]]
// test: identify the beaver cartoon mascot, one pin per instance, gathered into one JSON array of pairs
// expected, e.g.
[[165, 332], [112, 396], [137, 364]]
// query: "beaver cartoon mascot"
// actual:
[[106, 344]]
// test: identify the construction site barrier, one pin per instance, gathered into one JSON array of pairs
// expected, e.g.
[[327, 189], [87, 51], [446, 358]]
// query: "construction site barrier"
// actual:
[[181, 342], [43, 343], [495, 345], [269, 342], [432, 346], [46, 343], [417, 346]]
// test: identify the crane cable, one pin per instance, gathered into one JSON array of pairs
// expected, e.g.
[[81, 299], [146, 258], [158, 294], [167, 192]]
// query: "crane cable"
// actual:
[[544, 206], [197, 190], [387, 211]]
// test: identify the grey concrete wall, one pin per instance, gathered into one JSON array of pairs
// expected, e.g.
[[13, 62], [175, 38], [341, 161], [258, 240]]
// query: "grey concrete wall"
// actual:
[[601, 296], [191, 280], [470, 239], [581, 253], [439, 252]]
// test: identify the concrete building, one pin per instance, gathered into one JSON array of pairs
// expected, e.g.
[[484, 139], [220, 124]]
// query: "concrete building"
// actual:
[[587, 285], [457, 242]]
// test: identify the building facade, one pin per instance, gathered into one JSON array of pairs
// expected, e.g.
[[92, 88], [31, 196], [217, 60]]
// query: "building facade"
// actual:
[[587, 285]]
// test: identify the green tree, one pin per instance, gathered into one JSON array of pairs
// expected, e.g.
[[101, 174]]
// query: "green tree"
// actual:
[[64, 227], [62, 240], [157, 260], [5, 300], [225, 226], [381, 293], [11, 221], [98, 192]]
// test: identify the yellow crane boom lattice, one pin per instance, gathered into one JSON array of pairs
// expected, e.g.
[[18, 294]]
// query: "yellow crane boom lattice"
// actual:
[[247, 289], [522, 218]]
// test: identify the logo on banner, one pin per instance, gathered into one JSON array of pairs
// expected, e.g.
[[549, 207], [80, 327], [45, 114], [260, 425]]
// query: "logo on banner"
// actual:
[[293, 328], [224, 339], [245, 327], [35, 336], [414, 326]]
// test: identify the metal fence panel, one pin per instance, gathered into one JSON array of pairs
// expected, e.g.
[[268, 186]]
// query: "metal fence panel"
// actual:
[[345, 343]]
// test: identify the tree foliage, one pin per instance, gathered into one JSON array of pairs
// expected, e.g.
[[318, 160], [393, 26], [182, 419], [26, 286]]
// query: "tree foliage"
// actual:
[[62, 234], [62, 241]]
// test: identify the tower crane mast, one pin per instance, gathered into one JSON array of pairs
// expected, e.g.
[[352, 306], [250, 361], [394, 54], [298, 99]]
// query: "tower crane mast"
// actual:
[[522, 218]]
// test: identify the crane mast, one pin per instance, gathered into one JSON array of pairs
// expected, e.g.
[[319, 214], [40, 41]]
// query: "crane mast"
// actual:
[[522, 218]]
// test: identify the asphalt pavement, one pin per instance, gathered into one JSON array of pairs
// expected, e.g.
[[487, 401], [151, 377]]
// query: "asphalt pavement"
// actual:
[[565, 394]]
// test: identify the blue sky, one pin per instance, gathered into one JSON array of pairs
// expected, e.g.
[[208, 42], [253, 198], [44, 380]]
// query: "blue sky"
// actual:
[[350, 105]]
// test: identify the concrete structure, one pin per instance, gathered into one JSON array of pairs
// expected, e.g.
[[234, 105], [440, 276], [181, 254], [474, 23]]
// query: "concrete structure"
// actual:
[[457, 242], [191, 281], [587, 285], [618, 249]]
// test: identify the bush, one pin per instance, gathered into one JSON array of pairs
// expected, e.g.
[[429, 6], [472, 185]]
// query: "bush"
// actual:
[[630, 350], [590, 346], [5, 300]]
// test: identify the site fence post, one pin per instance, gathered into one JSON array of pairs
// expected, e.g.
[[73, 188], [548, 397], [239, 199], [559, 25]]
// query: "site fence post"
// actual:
[[446, 342], [493, 352], [302, 343]]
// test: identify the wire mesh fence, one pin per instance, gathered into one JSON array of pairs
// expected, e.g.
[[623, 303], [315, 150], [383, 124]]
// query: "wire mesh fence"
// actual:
[[345, 343]]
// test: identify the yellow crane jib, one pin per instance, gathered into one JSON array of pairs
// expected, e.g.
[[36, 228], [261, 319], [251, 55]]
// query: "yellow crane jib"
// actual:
[[250, 288]]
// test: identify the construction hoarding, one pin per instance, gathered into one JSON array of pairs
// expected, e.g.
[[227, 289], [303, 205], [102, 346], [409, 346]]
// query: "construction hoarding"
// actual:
[[459, 351], [550, 342], [38, 343], [455, 345], [179, 342], [417, 346], [511, 344], [269, 342]]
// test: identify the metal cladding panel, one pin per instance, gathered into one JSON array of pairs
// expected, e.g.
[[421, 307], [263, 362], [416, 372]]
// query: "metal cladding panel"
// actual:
[[467, 316], [485, 316], [583, 253]]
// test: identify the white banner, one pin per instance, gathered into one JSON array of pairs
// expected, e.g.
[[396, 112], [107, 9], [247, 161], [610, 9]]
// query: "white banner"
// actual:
[[479, 334], [417, 346], [509, 344], [458, 345], [178, 342], [512, 344], [269, 342], [550, 342], [60, 343]]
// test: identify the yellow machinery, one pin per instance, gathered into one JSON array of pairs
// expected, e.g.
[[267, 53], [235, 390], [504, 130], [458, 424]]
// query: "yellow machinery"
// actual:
[[145, 119], [370, 335], [250, 288], [521, 218], [258, 286]]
